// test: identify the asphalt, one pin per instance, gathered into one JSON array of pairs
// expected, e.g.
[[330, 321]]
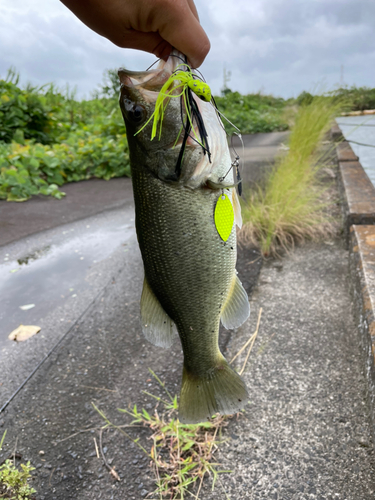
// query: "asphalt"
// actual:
[[259, 152], [306, 432], [83, 199]]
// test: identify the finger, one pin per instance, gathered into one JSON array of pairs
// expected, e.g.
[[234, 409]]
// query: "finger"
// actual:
[[182, 30], [193, 8], [148, 42]]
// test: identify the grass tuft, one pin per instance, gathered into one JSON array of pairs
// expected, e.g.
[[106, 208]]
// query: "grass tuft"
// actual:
[[14, 480], [291, 207], [181, 455]]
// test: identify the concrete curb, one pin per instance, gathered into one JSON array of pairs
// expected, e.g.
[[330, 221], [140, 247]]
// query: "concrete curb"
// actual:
[[362, 273], [358, 195], [358, 206]]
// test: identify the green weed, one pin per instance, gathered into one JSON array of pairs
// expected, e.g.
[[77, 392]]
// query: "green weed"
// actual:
[[13, 481], [252, 113], [181, 455], [289, 208], [359, 98], [48, 137]]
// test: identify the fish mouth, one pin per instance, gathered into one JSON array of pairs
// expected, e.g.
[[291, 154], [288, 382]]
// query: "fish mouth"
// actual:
[[151, 81], [145, 86]]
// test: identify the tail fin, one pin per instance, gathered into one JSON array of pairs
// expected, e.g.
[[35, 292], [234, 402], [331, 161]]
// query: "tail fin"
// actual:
[[221, 390]]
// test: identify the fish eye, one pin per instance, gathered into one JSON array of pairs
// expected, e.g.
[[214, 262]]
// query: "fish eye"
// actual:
[[137, 114], [134, 112]]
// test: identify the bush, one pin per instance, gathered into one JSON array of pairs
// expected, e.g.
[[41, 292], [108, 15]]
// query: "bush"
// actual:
[[48, 137], [31, 169], [252, 113], [360, 98], [24, 114], [289, 208], [304, 99]]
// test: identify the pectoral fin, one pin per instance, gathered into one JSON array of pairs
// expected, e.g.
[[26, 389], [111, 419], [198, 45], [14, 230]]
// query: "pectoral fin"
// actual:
[[157, 326], [237, 308]]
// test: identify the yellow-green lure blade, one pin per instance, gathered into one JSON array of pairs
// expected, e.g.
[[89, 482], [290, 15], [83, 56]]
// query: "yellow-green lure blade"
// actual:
[[224, 216]]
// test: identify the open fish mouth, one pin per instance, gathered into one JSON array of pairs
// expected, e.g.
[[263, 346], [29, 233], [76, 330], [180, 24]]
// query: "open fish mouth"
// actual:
[[148, 84], [151, 80]]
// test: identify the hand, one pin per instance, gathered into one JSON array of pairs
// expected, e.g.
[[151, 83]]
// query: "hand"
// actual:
[[151, 25]]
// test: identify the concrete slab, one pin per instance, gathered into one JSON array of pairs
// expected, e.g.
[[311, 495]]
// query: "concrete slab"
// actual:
[[358, 207], [336, 133], [306, 433]]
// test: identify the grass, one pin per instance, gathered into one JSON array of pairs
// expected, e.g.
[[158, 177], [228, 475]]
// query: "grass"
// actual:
[[290, 207], [181, 455], [14, 481]]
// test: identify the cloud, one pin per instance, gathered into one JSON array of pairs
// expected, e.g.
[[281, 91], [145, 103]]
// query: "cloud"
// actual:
[[279, 46], [53, 45], [290, 45]]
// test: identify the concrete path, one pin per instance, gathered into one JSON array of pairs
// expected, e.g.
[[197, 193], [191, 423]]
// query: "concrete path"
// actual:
[[305, 434], [259, 154]]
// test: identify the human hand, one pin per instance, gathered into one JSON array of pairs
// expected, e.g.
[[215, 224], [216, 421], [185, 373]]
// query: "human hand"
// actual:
[[151, 25]]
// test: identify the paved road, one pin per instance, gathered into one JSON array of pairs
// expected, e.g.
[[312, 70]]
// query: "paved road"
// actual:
[[306, 432], [259, 154]]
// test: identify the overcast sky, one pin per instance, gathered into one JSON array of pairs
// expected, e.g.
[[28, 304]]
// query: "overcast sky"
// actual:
[[279, 47]]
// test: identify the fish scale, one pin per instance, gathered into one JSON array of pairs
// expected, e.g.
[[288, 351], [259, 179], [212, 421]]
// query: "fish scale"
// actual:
[[173, 230]]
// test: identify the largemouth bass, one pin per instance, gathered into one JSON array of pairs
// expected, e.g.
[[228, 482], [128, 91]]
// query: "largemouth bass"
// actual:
[[190, 279]]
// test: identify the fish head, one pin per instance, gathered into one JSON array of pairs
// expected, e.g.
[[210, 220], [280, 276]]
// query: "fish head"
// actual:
[[138, 96]]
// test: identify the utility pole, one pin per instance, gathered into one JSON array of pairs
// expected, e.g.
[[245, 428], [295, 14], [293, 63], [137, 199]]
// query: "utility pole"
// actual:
[[226, 79], [342, 76]]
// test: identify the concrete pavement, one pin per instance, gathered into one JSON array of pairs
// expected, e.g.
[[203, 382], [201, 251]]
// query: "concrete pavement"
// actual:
[[305, 434]]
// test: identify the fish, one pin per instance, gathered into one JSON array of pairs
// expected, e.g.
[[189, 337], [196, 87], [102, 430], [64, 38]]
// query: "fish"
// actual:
[[190, 279]]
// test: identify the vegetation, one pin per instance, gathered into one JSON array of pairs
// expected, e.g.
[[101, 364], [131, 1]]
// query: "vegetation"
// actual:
[[13, 481], [358, 98], [289, 207], [181, 455], [49, 138], [252, 113]]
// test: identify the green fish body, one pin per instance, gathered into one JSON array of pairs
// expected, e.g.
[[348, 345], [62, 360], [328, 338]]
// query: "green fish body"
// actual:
[[190, 279]]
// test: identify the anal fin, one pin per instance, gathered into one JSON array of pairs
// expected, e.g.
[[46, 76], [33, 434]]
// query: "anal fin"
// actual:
[[237, 308], [157, 326]]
